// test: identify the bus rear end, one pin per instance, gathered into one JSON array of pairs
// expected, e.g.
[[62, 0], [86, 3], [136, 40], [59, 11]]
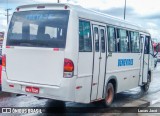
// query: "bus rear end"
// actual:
[[34, 57]]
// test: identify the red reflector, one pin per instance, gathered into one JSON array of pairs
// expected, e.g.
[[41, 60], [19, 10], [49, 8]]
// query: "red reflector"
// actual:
[[11, 85], [4, 60], [0, 74], [68, 65], [78, 87], [8, 47], [55, 49], [32, 90], [40, 6]]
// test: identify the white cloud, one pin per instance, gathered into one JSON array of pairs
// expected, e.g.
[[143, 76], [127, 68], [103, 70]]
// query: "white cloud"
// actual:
[[99, 4], [50, 1], [154, 33], [140, 8], [152, 25], [3, 25], [2, 19], [144, 7]]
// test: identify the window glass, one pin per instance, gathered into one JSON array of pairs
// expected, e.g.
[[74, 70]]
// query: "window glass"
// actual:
[[102, 41], [135, 42], [146, 46], [33, 31], [52, 32], [151, 47], [111, 39], [85, 41], [96, 39], [41, 28], [123, 41], [17, 30]]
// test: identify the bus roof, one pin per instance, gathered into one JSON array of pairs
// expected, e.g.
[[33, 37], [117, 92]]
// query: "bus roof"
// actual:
[[85, 13]]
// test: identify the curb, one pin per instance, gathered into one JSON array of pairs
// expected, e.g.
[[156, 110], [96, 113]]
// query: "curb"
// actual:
[[137, 103]]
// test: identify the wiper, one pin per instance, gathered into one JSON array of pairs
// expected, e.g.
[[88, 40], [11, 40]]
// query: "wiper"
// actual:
[[26, 44]]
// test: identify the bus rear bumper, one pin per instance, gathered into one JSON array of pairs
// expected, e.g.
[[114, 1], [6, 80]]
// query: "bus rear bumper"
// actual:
[[62, 93]]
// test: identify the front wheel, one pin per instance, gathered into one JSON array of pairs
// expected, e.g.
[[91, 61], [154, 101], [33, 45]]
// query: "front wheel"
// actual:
[[145, 87], [109, 96]]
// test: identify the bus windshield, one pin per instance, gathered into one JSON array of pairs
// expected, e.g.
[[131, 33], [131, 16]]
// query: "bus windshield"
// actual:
[[44, 28]]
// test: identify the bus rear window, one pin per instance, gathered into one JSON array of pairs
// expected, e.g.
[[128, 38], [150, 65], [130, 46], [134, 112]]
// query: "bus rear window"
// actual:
[[38, 29]]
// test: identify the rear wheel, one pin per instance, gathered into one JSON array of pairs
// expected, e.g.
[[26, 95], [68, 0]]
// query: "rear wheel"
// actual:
[[109, 96]]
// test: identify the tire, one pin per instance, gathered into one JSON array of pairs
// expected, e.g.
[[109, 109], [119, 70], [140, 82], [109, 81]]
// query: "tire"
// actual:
[[55, 106], [155, 65], [145, 87], [109, 96]]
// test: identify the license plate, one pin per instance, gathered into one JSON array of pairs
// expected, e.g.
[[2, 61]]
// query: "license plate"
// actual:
[[34, 90]]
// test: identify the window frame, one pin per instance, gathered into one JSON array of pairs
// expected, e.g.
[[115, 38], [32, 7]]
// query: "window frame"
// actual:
[[83, 20], [102, 50], [131, 41], [128, 49], [148, 44], [115, 34]]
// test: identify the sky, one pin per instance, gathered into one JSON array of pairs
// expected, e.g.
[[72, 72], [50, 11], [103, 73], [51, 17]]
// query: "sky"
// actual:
[[145, 13]]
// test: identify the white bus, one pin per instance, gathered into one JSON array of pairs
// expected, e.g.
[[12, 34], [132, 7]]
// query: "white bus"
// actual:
[[68, 53]]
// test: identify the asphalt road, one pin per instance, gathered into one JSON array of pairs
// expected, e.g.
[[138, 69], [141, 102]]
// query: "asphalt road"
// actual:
[[11, 100]]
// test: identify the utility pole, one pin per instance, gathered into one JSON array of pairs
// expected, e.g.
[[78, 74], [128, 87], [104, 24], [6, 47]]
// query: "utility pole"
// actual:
[[58, 1], [7, 10], [125, 10]]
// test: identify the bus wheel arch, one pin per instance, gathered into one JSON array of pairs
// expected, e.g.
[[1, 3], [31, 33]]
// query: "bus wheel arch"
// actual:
[[145, 87], [113, 80], [110, 90], [149, 75]]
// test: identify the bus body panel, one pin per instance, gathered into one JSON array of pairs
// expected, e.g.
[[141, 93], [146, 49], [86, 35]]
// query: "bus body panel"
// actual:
[[124, 74], [42, 67], [47, 73], [39, 65], [99, 57], [46, 91]]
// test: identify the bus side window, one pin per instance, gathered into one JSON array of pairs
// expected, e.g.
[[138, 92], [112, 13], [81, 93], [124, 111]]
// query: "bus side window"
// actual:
[[135, 42], [111, 39], [146, 47], [123, 45], [151, 47], [96, 39], [85, 40], [102, 40]]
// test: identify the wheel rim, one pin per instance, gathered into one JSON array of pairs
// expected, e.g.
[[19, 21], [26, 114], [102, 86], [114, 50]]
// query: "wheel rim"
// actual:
[[147, 85], [109, 95]]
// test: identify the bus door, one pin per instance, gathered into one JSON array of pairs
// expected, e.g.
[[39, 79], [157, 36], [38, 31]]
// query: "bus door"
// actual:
[[99, 61], [144, 59]]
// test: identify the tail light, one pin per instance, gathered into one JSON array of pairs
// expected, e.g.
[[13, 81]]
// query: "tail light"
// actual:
[[68, 68], [0, 74], [4, 60]]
